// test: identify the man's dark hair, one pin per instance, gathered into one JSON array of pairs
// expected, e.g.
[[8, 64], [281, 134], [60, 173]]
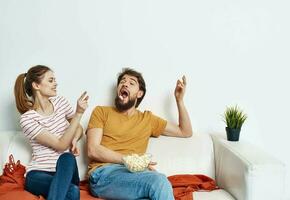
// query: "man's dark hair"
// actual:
[[141, 82]]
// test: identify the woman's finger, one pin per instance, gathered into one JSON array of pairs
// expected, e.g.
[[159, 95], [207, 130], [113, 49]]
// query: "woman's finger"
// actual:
[[83, 95], [86, 98]]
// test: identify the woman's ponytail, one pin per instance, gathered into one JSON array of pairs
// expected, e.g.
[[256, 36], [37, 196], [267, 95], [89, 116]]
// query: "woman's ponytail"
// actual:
[[23, 104]]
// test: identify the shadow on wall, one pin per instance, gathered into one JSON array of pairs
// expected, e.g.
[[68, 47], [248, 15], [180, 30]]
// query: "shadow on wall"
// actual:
[[12, 117], [167, 108], [112, 94]]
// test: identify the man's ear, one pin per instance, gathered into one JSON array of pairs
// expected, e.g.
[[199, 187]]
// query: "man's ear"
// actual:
[[140, 94], [35, 86]]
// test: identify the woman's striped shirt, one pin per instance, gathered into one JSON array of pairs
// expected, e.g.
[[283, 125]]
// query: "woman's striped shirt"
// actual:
[[32, 123]]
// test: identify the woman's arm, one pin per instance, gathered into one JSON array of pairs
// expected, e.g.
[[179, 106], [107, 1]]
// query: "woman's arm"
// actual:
[[64, 142]]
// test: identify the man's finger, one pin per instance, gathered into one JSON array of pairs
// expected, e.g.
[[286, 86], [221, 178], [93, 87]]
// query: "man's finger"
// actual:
[[153, 163], [184, 80], [178, 83]]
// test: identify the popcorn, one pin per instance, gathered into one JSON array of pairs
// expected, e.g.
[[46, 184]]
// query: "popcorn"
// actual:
[[136, 163]]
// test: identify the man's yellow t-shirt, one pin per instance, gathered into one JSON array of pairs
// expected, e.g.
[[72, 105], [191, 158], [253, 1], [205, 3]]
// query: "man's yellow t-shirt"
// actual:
[[125, 134]]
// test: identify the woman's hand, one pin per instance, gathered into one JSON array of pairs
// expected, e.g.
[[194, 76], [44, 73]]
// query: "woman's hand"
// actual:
[[82, 103], [74, 149]]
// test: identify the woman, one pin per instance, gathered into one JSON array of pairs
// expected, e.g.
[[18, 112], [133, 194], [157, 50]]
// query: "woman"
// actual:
[[52, 127]]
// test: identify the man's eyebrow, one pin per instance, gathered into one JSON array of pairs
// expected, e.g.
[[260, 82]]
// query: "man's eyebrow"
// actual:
[[133, 80]]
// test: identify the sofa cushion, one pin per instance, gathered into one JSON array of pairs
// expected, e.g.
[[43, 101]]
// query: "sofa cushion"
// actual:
[[193, 155], [20, 148]]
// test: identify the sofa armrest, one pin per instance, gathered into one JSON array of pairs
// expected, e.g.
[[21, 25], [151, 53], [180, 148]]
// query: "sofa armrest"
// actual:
[[247, 172]]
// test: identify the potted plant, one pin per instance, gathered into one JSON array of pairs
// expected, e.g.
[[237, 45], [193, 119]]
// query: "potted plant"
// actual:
[[234, 118]]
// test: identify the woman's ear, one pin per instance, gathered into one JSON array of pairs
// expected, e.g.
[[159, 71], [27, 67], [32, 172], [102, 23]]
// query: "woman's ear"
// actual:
[[35, 86]]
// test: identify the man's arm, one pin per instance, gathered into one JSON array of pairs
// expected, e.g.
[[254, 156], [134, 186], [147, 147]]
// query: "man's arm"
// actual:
[[98, 152], [184, 128]]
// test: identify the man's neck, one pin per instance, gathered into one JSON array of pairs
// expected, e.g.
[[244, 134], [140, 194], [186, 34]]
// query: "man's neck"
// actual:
[[130, 112]]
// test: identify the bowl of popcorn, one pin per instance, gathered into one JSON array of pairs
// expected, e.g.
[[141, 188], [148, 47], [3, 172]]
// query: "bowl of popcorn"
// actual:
[[137, 163]]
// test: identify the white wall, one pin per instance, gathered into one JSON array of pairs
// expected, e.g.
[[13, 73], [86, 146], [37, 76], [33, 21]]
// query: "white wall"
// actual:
[[232, 52]]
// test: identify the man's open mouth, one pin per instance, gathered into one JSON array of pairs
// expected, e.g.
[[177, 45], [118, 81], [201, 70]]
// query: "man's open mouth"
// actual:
[[123, 94]]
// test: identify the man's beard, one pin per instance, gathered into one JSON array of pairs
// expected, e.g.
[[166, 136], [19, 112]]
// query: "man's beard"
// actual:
[[123, 107]]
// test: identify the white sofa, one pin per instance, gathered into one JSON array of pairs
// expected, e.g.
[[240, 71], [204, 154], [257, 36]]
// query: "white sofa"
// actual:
[[243, 171]]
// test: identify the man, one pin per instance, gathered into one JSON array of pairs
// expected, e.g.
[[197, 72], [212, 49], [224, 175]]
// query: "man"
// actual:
[[114, 132]]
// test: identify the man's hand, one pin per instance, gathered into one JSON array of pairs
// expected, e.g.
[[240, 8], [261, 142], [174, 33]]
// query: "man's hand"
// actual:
[[180, 89], [136, 163], [74, 149], [151, 166]]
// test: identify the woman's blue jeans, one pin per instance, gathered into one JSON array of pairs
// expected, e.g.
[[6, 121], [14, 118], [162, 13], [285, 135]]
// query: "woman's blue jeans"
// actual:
[[116, 182], [60, 185]]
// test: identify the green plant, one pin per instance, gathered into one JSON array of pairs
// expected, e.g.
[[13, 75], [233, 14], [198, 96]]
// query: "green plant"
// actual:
[[234, 117]]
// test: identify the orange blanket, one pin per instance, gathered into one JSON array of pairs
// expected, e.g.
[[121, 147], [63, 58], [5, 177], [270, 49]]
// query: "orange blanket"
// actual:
[[12, 184], [184, 185], [12, 177]]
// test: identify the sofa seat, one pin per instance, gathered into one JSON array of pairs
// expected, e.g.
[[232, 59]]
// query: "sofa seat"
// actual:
[[240, 169], [213, 195]]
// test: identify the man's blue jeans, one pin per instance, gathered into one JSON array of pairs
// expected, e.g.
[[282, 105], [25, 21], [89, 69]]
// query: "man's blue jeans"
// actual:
[[116, 182], [60, 185]]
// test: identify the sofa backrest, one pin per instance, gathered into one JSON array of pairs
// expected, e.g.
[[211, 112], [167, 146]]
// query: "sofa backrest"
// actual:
[[193, 155], [173, 155]]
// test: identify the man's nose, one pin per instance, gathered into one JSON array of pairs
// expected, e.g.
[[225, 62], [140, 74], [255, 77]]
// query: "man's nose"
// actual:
[[126, 84]]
